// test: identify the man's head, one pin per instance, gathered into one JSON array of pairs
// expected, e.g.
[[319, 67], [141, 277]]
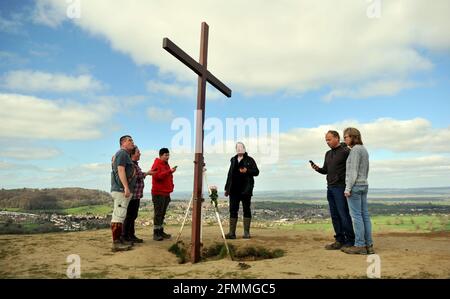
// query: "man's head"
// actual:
[[164, 154], [135, 154], [126, 143], [352, 136], [332, 138], [240, 148]]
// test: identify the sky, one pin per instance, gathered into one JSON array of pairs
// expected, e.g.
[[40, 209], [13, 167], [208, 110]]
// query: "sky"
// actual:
[[76, 75]]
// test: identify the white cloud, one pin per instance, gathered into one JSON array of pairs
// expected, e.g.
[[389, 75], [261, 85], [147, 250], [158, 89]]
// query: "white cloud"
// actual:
[[34, 81], [30, 117], [49, 14], [12, 25], [29, 153], [159, 114], [378, 88], [170, 89], [291, 45], [181, 90], [409, 163]]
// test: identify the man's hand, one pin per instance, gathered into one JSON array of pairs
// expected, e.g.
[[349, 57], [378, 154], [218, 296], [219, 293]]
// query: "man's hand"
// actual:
[[173, 169], [226, 194], [243, 170], [127, 192], [347, 194], [315, 167]]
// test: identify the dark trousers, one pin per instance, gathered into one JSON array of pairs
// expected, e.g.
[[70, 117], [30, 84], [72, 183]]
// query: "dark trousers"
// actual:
[[132, 214], [160, 204], [234, 205], [340, 216]]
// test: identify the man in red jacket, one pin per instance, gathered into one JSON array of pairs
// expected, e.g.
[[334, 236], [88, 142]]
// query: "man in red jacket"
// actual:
[[162, 186]]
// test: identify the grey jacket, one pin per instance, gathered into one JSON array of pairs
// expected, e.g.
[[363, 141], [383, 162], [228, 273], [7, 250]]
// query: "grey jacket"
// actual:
[[357, 168]]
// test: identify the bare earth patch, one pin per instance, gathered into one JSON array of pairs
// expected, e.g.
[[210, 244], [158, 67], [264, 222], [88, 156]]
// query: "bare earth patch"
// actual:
[[403, 255]]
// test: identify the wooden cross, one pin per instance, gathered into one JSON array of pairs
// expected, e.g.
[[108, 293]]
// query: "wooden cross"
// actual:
[[200, 68]]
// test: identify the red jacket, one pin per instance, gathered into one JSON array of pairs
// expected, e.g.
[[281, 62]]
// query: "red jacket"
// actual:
[[162, 180]]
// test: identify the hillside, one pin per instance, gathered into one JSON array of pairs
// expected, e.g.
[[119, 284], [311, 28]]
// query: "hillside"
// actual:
[[48, 199], [402, 255]]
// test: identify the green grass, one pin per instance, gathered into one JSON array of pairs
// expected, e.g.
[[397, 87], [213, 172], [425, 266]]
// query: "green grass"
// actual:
[[94, 209], [405, 223]]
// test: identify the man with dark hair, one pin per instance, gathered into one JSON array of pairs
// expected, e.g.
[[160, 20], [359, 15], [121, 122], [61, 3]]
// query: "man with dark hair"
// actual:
[[128, 232], [334, 167], [122, 186], [162, 186]]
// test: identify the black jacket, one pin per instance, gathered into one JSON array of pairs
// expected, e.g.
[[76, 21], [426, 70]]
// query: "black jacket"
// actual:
[[334, 165], [241, 183]]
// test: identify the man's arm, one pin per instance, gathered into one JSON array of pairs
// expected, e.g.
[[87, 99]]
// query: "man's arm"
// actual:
[[324, 169], [253, 169], [123, 179]]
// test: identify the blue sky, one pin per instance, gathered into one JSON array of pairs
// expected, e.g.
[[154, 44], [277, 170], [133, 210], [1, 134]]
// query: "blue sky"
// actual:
[[70, 87]]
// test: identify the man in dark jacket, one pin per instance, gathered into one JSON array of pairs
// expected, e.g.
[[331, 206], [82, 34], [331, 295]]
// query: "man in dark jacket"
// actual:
[[239, 186], [334, 167]]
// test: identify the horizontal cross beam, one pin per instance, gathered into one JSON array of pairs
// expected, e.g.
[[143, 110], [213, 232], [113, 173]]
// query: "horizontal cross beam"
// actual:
[[173, 49]]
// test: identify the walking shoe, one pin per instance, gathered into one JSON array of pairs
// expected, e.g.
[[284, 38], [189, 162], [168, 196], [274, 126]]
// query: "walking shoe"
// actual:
[[118, 246], [163, 234], [135, 239], [355, 250], [334, 246], [370, 249], [126, 241], [157, 236]]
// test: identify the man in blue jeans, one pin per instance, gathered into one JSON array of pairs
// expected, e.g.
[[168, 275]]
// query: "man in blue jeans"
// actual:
[[334, 167]]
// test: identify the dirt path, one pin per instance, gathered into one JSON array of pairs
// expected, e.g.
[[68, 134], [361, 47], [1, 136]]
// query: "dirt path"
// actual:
[[403, 255]]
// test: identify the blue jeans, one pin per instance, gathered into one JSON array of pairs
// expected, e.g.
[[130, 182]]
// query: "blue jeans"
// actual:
[[340, 217], [359, 211]]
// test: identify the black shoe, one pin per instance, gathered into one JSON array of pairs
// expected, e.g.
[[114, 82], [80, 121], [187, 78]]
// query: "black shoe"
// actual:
[[126, 241], [163, 234], [157, 236], [136, 239], [230, 236], [334, 246]]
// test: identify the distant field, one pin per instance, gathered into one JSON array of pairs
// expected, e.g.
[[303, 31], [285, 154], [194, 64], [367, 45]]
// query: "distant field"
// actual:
[[407, 223], [95, 210]]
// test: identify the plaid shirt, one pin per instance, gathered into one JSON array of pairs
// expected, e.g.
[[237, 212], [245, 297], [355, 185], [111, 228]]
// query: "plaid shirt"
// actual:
[[139, 187]]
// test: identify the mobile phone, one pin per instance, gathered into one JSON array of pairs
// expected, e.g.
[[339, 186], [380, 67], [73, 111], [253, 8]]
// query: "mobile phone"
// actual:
[[175, 166], [312, 163]]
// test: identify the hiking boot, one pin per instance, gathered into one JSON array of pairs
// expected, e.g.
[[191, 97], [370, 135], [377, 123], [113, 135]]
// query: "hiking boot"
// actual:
[[118, 246], [157, 236], [232, 232], [370, 249], [247, 222], [347, 245], [163, 234], [334, 246], [135, 239], [355, 250], [126, 241]]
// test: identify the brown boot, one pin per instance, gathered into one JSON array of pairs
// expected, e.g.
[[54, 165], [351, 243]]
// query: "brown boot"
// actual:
[[355, 250], [118, 246], [334, 246], [370, 249]]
